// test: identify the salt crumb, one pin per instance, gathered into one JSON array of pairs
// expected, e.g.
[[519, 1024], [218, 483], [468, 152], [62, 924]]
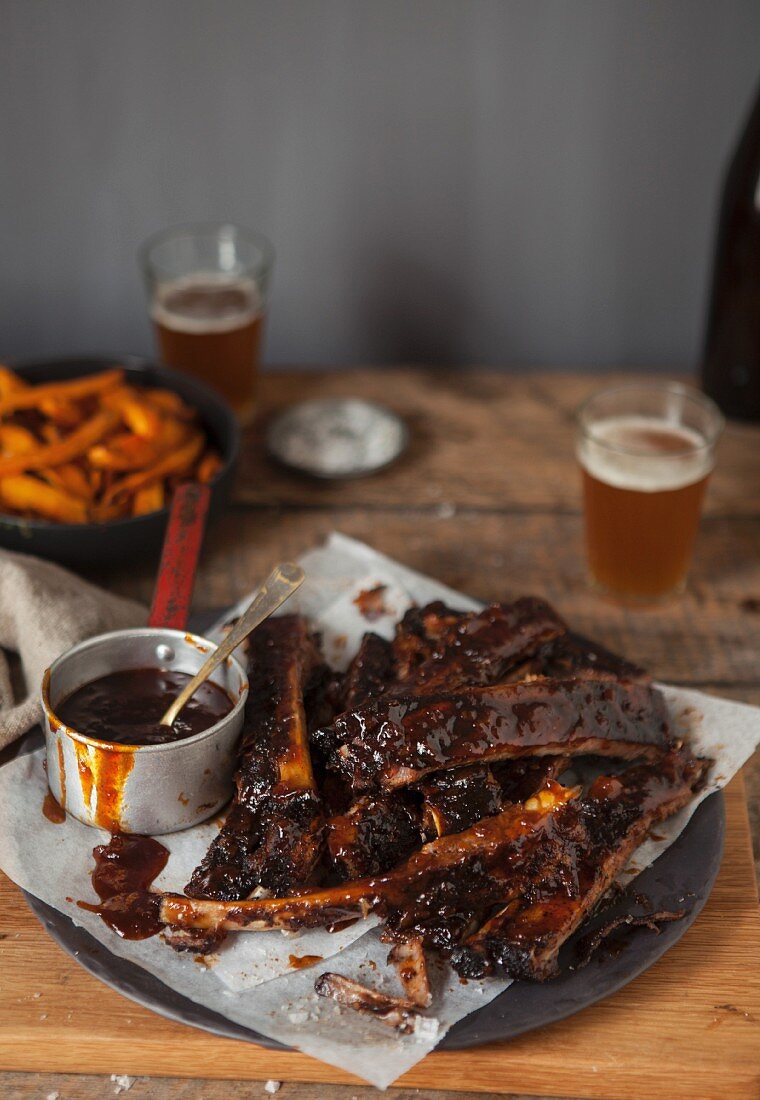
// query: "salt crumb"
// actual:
[[123, 1082], [52, 1095], [36, 995], [44, 1016], [426, 1028], [298, 1017], [273, 1086], [446, 511]]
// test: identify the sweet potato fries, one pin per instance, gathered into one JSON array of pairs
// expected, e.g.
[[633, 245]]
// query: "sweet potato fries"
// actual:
[[94, 449]]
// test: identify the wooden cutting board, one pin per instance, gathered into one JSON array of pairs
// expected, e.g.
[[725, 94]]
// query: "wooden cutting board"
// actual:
[[689, 1027]]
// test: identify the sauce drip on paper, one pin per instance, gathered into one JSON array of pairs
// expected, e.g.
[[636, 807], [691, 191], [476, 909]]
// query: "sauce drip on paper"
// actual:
[[124, 871]]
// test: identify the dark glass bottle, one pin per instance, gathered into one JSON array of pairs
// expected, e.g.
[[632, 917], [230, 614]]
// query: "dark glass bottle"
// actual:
[[731, 365]]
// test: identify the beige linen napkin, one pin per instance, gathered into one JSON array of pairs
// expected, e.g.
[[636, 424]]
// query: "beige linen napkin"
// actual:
[[44, 609]]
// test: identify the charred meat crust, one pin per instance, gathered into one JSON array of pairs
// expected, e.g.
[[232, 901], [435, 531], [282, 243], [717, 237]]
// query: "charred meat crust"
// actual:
[[455, 800], [273, 833], [396, 742], [419, 633], [587, 946], [379, 831], [572, 654], [374, 835], [367, 679]]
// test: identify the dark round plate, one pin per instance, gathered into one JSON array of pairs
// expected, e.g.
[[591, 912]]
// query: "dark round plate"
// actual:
[[681, 878], [80, 545]]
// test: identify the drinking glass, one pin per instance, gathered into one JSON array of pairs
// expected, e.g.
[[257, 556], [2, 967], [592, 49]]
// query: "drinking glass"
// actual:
[[207, 291], [646, 453]]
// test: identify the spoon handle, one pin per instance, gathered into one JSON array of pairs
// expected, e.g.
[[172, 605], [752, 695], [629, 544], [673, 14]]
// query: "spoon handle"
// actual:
[[281, 583]]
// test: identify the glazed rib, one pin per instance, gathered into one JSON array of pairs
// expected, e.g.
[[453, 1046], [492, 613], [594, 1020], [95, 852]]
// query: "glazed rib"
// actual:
[[273, 832], [397, 742], [379, 831], [419, 634], [367, 678], [370, 672], [474, 865], [449, 650], [591, 841]]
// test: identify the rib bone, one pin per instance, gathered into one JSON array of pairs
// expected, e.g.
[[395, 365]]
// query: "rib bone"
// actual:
[[395, 1012], [408, 957]]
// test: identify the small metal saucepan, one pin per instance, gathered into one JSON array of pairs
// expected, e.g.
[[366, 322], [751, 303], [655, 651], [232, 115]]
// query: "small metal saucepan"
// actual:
[[145, 788]]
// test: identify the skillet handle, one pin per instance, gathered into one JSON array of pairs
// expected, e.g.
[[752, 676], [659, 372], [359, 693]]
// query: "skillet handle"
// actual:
[[179, 557]]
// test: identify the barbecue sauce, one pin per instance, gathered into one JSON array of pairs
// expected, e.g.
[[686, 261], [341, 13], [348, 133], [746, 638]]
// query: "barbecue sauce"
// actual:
[[52, 810], [371, 604], [124, 871], [301, 962], [126, 707]]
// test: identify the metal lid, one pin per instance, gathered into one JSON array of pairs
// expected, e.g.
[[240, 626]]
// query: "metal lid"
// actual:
[[337, 437]]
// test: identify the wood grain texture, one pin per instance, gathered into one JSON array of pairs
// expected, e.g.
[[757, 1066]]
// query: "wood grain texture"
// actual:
[[485, 440], [706, 635], [37, 1086], [487, 500]]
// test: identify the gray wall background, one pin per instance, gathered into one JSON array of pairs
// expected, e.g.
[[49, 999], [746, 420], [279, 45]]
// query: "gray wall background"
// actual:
[[446, 181]]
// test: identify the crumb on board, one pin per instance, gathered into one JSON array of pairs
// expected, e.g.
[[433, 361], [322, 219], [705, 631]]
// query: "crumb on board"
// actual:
[[123, 1082], [272, 1086]]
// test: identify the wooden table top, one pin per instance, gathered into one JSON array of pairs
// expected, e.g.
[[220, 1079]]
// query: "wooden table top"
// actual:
[[487, 499]]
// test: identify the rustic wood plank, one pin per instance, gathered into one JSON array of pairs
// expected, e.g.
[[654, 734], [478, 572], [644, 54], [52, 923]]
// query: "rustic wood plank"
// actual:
[[707, 635], [648, 1040], [481, 439], [36, 1086]]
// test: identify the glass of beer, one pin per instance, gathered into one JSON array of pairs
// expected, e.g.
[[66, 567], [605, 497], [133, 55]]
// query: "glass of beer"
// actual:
[[646, 454], [207, 292]]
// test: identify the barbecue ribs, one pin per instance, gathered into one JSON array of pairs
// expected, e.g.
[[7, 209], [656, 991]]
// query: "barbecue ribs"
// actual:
[[591, 842], [273, 832], [473, 868]]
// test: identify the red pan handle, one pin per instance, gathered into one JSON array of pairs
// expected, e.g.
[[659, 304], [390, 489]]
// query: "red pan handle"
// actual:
[[179, 557]]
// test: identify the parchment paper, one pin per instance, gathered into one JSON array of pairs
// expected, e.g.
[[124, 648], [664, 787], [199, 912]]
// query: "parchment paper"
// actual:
[[251, 980]]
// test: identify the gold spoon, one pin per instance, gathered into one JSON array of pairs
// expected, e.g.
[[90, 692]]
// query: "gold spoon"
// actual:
[[279, 586]]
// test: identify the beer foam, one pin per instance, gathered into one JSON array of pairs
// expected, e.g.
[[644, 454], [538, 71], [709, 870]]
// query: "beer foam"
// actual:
[[623, 453], [164, 310]]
